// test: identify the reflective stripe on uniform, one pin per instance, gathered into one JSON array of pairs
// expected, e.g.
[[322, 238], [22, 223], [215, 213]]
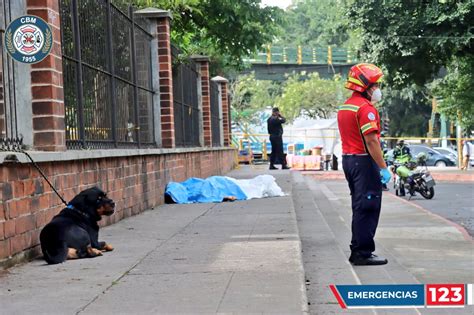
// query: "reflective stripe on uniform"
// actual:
[[366, 127], [352, 108]]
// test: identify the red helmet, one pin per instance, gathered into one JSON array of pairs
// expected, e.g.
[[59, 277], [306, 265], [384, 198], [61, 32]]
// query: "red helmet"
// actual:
[[363, 75]]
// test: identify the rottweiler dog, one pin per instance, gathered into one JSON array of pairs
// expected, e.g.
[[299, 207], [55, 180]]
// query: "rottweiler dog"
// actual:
[[74, 232]]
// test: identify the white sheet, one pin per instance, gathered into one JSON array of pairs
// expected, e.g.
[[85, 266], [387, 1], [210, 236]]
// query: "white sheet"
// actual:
[[261, 186]]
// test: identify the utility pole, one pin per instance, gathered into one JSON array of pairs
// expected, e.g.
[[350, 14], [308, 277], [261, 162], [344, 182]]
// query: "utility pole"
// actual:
[[458, 139]]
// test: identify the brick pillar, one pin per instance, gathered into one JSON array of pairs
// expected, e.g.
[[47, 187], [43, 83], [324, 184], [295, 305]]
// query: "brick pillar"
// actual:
[[162, 20], [47, 84], [203, 62], [224, 109]]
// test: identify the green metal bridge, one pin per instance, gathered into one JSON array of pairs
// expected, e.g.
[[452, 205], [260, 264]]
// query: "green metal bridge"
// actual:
[[277, 62], [303, 55]]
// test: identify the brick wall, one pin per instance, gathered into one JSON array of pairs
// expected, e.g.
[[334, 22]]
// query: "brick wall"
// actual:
[[136, 183], [166, 83], [2, 103], [47, 84], [206, 99]]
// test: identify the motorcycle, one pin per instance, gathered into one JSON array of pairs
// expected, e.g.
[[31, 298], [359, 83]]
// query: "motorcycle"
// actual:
[[409, 176]]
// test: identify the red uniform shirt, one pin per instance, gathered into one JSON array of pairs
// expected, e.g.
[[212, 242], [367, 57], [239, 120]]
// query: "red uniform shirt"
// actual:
[[356, 116]]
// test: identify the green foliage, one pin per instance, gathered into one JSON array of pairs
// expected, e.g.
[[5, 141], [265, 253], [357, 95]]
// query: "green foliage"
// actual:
[[409, 111], [250, 96], [225, 30], [316, 23], [456, 92], [313, 97], [413, 39]]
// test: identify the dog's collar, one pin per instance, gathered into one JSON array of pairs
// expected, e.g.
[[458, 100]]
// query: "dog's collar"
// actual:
[[69, 206]]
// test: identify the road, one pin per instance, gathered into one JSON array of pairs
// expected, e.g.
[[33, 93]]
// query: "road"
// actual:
[[453, 201]]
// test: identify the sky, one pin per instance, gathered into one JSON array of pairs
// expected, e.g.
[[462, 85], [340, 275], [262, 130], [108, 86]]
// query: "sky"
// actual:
[[279, 3]]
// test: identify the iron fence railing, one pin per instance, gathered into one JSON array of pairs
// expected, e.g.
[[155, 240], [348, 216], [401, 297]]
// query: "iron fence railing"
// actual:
[[9, 136], [186, 101], [107, 73], [216, 115]]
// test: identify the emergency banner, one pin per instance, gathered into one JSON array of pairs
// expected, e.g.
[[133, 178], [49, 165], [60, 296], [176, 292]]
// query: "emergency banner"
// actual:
[[403, 295]]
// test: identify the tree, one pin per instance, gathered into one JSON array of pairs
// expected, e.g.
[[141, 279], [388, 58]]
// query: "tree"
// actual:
[[316, 23], [313, 97], [409, 111], [225, 30], [456, 92], [413, 40], [250, 97]]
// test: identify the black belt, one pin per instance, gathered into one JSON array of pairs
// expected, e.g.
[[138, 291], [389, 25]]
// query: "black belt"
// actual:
[[361, 154]]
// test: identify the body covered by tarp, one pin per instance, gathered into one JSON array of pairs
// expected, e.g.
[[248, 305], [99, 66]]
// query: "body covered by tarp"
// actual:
[[217, 188], [198, 190]]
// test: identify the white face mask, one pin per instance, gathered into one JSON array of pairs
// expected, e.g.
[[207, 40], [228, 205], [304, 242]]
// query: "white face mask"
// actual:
[[376, 96]]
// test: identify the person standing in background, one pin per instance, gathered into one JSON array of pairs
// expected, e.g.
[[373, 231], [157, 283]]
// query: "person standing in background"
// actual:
[[466, 154], [275, 129]]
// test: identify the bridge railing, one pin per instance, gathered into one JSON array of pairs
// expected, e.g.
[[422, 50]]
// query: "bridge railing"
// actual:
[[302, 55]]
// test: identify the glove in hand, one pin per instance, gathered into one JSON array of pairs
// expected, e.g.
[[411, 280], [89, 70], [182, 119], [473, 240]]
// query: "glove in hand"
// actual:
[[385, 175]]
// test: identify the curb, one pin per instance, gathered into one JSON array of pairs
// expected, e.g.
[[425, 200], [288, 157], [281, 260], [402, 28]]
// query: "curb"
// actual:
[[305, 306], [442, 177]]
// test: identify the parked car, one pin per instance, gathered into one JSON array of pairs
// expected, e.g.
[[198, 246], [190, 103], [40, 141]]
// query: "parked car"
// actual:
[[448, 152], [388, 156], [434, 158]]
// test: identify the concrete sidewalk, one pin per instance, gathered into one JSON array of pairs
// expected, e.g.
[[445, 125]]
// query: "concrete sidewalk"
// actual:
[[421, 247], [273, 256], [237, 257]]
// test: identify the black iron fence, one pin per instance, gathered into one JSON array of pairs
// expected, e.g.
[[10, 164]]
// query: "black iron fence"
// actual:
[[9, 137], [107, 73], [216, 116], [186, 101]]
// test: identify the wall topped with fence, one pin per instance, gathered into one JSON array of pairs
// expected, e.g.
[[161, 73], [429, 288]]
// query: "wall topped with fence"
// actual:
[[108, 50], [111, 107], [112, 81], [186, 105]]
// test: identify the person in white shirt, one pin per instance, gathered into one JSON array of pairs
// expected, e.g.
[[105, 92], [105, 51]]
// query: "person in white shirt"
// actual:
[[467, 151]]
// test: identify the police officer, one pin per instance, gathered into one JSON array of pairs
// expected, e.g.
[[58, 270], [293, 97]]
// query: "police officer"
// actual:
[[275, 129], [401, 153], [362, 160]]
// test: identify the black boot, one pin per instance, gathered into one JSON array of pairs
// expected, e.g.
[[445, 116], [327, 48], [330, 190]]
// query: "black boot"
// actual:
[[358, 260], [272, 167]]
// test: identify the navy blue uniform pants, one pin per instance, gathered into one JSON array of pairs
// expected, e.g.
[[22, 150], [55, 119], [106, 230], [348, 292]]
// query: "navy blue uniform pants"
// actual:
[[277, 156], [363, 176]]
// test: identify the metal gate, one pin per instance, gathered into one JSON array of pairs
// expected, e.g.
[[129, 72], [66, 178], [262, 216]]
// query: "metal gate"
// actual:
[[186, 102], [9, 137], [107, 73], [216, 115]]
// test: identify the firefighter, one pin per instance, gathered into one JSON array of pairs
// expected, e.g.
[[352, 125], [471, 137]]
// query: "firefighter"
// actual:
[[362, 160]]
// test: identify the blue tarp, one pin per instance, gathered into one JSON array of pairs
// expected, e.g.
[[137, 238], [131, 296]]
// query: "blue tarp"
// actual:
[[198, 190]]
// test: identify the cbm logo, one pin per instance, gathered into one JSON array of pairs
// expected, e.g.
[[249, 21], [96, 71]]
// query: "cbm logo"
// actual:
[[28, 39]]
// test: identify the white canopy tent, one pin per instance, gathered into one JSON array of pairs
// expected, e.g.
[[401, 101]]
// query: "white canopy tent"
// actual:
[[315, 132]]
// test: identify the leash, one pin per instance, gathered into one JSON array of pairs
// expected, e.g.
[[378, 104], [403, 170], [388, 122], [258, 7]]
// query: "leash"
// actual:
[[17, 146]]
